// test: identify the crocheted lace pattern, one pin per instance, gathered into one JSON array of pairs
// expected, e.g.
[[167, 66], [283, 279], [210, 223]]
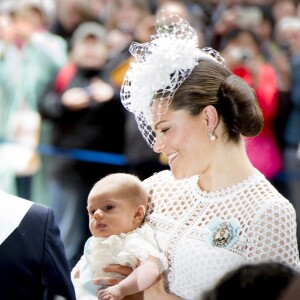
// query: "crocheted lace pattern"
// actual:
[[259, 225]]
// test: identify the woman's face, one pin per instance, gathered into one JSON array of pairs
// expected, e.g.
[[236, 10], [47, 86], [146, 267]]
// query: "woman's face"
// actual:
[[184, 140]]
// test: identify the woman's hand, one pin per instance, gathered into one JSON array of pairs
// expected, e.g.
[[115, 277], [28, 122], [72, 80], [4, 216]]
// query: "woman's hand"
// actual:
[[156, 291], [109, 281]]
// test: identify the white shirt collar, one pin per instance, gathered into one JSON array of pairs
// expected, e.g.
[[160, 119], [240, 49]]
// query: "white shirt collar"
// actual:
[[12, 211]]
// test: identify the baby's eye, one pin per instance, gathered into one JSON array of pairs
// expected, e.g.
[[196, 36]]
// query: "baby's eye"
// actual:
[[91, 212], [109, 207]]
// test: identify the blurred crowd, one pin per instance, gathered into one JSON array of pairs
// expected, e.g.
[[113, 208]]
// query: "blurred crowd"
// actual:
[[62, 63]]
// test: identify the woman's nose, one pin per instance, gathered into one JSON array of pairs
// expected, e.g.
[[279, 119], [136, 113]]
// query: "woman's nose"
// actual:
[[158, 146]]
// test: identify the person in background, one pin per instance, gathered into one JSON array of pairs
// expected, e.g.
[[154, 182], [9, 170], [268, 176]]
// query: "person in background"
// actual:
[[244, 58], [213, 211], [117, 205], [141, 160], [53, 45], [281, 9], [267, 280], [231, 15], [31, 56], [124, 17], [288, 30], [85, 112], [33, 262], [183, 10], [292, 291], [69, 14]]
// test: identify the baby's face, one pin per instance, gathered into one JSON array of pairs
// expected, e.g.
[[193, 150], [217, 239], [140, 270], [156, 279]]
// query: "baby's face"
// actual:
[[110, 212]]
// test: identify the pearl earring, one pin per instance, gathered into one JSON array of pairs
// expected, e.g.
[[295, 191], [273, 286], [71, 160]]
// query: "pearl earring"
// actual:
[[212, 136]]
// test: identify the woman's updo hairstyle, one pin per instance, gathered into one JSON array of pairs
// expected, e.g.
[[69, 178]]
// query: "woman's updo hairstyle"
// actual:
[[239, 107], [210, 83]]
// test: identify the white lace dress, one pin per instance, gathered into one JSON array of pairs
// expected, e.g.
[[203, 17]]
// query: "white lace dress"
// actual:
[[124, 249], [206, 234]]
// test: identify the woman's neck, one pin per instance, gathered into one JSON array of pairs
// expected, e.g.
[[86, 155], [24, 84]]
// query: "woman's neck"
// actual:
[[231, 166]]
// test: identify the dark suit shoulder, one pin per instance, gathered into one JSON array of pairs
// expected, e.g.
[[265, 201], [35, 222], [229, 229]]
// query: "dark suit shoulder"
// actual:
[[32, 259]]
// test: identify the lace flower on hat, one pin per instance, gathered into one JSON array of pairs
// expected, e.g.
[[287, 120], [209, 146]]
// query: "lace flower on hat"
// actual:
[[160, 67]]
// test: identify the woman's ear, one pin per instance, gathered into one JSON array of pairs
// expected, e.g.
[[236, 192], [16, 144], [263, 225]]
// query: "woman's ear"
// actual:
[[211, 117], [139, 214]]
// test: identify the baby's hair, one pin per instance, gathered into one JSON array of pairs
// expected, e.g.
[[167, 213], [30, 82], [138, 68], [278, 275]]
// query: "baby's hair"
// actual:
[[130, 184]]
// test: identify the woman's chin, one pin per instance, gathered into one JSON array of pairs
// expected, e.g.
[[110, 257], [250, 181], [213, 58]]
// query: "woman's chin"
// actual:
[[178, 174]]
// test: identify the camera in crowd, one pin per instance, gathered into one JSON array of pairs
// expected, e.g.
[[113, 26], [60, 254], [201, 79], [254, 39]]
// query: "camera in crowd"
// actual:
[[242, 55]]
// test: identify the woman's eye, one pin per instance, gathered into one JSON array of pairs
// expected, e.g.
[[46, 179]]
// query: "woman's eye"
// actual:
[[164, 130]]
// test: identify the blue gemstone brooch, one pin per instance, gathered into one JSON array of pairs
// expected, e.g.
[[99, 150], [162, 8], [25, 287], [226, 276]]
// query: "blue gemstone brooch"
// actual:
[[223, 234]]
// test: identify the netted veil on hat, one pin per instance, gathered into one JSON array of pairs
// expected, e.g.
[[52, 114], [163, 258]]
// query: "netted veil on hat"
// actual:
[[160, 67]]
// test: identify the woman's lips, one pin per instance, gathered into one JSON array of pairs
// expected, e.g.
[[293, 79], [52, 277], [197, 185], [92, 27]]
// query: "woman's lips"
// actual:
[[172, 156]]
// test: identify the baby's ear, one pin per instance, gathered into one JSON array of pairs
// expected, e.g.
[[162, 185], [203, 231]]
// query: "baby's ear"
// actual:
[[139, 214]]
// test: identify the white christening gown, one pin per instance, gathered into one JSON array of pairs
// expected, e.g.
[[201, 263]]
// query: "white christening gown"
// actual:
[[123, 249]]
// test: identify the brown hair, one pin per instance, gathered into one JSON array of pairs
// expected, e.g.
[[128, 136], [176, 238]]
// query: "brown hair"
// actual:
[[212, 84]]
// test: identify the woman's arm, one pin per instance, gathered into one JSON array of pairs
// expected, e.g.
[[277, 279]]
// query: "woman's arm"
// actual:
[[273, 235], [157, 291]]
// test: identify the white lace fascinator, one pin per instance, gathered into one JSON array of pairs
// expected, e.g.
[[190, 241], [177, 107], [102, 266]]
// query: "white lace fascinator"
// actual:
[[160, 67]]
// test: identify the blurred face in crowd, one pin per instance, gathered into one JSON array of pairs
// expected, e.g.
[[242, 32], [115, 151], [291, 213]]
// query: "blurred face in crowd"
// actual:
[[7, 29], [71, 13], [281, 9], [90, 53], [245, 40], [128, 15], [25, 25], [291, 38]]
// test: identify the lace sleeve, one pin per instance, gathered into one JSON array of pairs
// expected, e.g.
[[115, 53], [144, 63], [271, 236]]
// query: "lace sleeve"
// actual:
[[272, 235]]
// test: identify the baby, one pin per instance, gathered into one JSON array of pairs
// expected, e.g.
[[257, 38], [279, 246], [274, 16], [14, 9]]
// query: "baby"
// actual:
[[117, 205]]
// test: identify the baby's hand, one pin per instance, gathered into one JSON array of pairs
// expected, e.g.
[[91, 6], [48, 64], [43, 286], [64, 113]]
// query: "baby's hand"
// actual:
[[111, 293]]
